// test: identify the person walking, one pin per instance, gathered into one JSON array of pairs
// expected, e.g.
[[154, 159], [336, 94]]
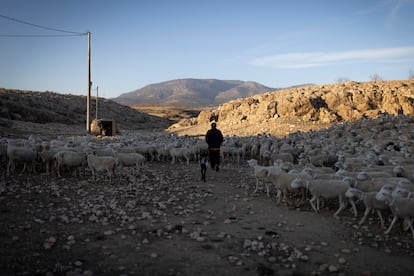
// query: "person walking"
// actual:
[[214, 139]]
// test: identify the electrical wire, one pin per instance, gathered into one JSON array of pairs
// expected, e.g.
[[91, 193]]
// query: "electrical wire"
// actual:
[[38, 26], [28, 35]]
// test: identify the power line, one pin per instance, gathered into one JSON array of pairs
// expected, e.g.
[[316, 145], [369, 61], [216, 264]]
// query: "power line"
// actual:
[[39, 26], [27, 35]]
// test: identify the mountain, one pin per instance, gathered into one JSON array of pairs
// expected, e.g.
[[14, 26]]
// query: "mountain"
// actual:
[[194, 92]]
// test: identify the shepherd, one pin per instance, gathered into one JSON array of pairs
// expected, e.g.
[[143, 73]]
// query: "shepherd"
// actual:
[[214, 139]]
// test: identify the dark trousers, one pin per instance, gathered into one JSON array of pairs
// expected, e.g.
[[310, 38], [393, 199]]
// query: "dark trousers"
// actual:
[[214, 156]]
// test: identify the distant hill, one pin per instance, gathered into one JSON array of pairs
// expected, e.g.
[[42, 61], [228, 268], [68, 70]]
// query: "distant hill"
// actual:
[[194, 92]]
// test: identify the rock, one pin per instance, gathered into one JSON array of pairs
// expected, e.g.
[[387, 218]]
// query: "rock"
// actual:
[[342, 261], [49, 243], [332, 268], [323, 267]]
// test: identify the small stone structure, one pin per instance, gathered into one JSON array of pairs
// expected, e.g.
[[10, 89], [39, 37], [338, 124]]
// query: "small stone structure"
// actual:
[[106, 127]]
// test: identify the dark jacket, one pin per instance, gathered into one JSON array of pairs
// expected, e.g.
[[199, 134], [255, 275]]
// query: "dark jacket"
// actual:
[[214, 138]]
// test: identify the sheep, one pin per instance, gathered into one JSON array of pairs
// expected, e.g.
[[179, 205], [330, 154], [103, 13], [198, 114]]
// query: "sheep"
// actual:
[[364, 175], [149, 151], [101, 163], [281, 181], [178, 153], [375, 184], [403, 171], [400, 208], [48, 158], [327, 189], [163, 154], [370, 203], [105, 151], [25, 154], [71, 159], [260, 174], [401, 191], [129, 159]]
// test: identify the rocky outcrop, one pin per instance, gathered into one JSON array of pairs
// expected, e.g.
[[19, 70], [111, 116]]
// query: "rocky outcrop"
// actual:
[[326, 104]]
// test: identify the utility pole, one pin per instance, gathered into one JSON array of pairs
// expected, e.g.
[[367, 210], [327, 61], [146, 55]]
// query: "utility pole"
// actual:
[[96, 112], [88, 98]]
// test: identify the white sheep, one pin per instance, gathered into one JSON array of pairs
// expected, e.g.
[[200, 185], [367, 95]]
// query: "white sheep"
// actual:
[[375, 184], [149, 151], [101, 164], [70, 159], [281, 181], [403, 171], [370, 203], [179, 153], [260, 174], [23, 154], [129, 159], [400, 208], [325, 188], [401, 191]]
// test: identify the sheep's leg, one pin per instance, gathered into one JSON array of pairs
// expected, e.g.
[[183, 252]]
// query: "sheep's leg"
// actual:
[[366, 213], [93, 175], [406, 224], [351, 201], [392, 224], [34, 167], [111, 173], [410, 221], [285, 195], [58, 170], [302, 196], [311, 201], [278, 196], [257, 186], [341, 207], [381, 219], [267, 189], [24, 168], [110, 177], [8, 166]]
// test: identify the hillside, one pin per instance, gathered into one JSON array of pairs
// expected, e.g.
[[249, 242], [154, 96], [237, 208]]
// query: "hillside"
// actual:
[[277, 113], [194, 92], [305, 108], [49, 107]]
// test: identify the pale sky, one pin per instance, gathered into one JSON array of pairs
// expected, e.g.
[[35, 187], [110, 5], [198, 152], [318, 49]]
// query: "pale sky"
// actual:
[[137, 43]]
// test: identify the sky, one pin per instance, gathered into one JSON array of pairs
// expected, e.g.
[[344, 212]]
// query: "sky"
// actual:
[[43, 46]]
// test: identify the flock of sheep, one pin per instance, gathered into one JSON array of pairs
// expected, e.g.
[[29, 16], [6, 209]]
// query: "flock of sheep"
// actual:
[[367, 163]]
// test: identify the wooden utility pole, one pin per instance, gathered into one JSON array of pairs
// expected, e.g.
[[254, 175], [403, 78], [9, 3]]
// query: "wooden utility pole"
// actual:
[[88, 98], [96, 111]]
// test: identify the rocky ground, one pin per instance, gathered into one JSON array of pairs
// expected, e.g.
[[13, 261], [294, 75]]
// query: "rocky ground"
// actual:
[[165, 221]]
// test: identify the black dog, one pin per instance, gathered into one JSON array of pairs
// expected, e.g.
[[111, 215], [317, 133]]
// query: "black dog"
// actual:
[[203, 165]]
